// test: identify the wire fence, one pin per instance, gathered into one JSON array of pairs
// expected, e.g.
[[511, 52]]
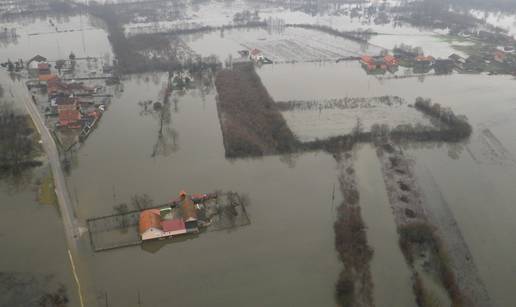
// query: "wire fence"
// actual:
[[225, 212]]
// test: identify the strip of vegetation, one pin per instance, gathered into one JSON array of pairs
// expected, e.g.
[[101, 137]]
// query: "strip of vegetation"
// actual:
[[46, 193], [415, 237], [139, 53], [202, 29], [17, 145], [359, 37], [458, 125], [250, 121], [340, 103], [354, 286]]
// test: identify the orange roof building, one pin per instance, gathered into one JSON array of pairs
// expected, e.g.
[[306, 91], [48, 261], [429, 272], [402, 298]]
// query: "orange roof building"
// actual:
[[150, 224], [390, 60], [69, 116], [47, 77]]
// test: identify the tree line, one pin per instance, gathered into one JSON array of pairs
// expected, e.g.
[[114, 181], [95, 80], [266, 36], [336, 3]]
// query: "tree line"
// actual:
[[17, 146]]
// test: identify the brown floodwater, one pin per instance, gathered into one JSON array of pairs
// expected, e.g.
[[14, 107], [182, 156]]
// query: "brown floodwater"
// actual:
[[475, 178], [388, 261], [286, 256], [33, 243]]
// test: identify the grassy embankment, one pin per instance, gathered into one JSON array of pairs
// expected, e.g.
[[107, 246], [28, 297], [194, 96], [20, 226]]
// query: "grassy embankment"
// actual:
[[46, 191]]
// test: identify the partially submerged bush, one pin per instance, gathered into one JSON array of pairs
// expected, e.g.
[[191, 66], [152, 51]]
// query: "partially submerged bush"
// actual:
[[422, 234]]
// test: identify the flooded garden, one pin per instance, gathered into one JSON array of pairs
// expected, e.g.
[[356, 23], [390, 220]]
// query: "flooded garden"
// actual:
[[361, 189]]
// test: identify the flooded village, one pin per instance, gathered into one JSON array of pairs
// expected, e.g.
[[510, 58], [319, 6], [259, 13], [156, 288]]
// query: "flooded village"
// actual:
[[249, 153]]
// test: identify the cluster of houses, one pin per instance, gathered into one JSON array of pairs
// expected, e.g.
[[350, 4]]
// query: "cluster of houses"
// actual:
[[379, 64], [423, 64], [501, 59], [72, 102], [400, 57]]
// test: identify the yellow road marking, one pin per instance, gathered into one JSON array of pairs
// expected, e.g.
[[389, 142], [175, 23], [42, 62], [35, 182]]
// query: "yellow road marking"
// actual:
[[76, 279]]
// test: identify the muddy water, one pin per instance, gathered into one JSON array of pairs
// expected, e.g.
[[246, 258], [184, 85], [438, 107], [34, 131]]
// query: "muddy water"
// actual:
[[475, 178], [76, 34], [391, 275], [285, 257], [33, 242]]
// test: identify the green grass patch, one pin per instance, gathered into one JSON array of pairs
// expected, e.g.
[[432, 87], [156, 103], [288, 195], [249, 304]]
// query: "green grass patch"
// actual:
[[46, 193]]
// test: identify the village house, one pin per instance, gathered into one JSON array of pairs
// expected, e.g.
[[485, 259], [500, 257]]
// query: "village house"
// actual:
[[168, 222], [379, 64], [32, 64], [423, 64], [457, 60], [43, 69], [69, 116], [373, 64], [256, 56]]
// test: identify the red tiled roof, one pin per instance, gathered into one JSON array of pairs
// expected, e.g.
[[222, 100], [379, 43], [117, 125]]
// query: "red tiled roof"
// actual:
[[173, 225], [148, 219], [43, 66], [68, 114], [367, 59], [390, 60]]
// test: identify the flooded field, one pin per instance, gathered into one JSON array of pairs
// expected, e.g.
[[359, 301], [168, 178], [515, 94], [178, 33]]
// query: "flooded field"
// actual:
[[286, 256], [286, 222], [321, 119], [287, 45], [35, 259], [482, 209], [54, 38]]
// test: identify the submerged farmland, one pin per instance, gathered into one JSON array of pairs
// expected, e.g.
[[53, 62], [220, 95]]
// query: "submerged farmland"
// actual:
[[350, 176]]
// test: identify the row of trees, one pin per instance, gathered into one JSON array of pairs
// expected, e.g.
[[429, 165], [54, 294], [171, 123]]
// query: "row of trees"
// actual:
[[456, 126], [17, 148]]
